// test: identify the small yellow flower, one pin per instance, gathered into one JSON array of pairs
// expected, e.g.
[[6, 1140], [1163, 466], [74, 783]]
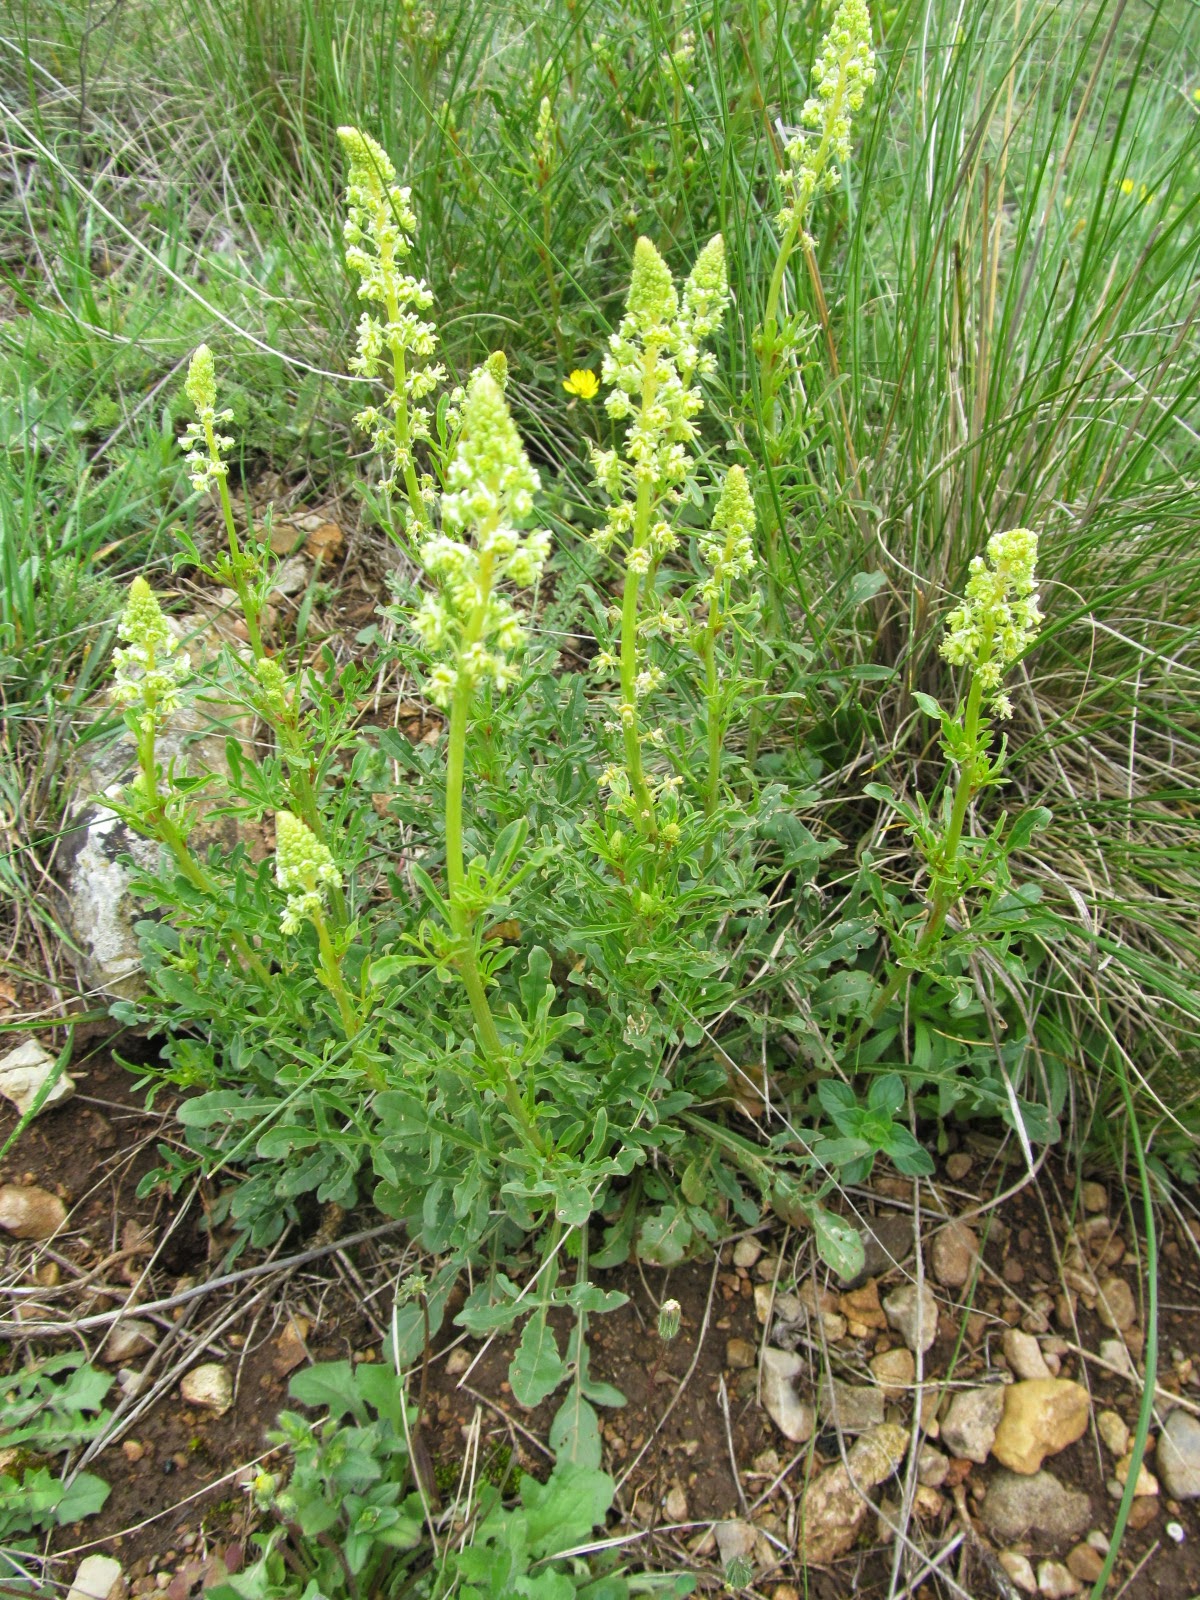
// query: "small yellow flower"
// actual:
[[1126, 185], [582, 382]]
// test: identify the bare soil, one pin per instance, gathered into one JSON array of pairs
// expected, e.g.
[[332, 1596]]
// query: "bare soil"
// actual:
[[179, 1514]]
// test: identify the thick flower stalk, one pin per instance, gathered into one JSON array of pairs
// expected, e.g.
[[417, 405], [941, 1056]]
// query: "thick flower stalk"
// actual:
[[651, 368], [471, 623], [378, 234], [206, 461], [727, 550], [308, 875], [999, 617]]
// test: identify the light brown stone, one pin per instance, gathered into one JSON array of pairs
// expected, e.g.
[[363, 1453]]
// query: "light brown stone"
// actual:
[[1041, 1417]]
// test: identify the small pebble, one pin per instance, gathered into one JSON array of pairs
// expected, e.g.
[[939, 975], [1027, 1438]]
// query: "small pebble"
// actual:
[[1085, 1563], [1019, 1569], [1055, 1581], [1174, 1530], [1094, 1197], [1114, 1430], [746, 1252], [958, 1166], [740, 1354]]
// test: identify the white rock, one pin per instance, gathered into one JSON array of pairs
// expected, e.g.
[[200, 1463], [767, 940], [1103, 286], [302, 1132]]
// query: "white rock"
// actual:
[[1020, 1570], [746, 1252], [1024, 1355], [1055, 1582], [793, 1417], [914, 1317], [23, 1072], [208, 1386], [1114, 1430], [95, 1579], [28, 1212]]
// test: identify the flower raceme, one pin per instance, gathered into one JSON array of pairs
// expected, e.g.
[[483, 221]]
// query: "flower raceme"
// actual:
[[728, 549], [841, 76], [378, 234], [490, 489], [205, 446], [304, 869], [151, 669], [651, 366], [999, 617]]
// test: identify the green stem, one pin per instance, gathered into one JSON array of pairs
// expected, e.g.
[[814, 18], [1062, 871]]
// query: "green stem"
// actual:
[[712, 695], [403, 426], [331, 969], [161, 825], [237, 559], [462, 922], [643, 801]]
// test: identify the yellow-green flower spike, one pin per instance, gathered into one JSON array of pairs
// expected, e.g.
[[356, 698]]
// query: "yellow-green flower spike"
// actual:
[[497, 365], [842, 73], [490, 489], [149, 672], [304, 870], [201, 385], [652, 300], [706, 292], [272, 684], [205, 446], [728, 550], [999, 617], [378, 234]]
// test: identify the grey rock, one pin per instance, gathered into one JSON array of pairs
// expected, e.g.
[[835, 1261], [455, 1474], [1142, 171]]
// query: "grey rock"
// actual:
[[850, 1407], [736, 1541], [932, 1467], [913, 1315], [1015, 1504], [1024, 1355], [887, 1245], [24, 1071], [1177, 1459], [953, 1255], [968, 1429], [130, 1338], [291, 577], [793, 1417]]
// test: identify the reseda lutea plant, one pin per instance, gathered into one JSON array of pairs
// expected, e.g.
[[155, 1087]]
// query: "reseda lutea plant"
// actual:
[[507, 979]]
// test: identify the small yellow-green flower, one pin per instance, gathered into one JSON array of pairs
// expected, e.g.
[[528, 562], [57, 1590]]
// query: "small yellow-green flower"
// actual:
[[999, 617], [582, 382], [148, 673], [304, 870], [842, 73], [205, 446]]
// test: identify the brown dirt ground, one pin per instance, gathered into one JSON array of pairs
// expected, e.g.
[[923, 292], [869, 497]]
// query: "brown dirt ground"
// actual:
[[177, 1501]]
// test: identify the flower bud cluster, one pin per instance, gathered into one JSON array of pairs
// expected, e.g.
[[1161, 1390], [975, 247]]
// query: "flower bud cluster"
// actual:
[[378, 235], [490, 489], [205, 446], [999, 617], [728, 549], [841, 76], [651, 366], [545, 144], [150, 671], [304, 870]]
